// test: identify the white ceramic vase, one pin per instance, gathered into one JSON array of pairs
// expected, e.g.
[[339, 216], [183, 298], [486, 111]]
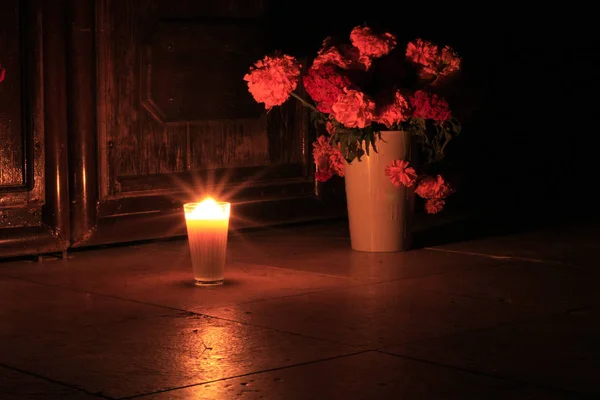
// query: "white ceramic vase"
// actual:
[[380, 214]]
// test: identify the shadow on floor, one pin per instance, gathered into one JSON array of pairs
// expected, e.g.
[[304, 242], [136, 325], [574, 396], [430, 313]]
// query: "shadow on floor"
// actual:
[[487, 225]]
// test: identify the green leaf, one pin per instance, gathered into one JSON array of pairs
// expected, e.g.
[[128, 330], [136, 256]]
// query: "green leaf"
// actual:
[[448, 137], [456, 126], [373, 140]]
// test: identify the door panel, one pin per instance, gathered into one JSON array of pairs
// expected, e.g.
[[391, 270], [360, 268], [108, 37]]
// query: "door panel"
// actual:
[[33, 161], [175, 121], [172, 99], [158, 115], [12, 151]]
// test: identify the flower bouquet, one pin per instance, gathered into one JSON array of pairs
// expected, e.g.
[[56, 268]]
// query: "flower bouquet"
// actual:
[[362, 88]]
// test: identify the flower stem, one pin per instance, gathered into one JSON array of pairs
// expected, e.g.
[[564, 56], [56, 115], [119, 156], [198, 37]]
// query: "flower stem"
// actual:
[[307, 104]]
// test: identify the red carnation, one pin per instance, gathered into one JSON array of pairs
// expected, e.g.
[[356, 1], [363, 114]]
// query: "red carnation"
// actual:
[[430, 106], [324, 85], [328, 159], [434, 191]]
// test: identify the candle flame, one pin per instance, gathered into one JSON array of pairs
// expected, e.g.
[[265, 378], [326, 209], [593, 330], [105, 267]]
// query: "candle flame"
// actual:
[[209, 209]]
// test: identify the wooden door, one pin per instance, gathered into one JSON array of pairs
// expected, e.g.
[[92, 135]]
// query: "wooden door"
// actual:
[[160, 115], [34, 208]]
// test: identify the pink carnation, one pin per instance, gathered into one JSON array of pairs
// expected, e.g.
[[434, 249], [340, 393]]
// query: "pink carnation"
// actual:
[[272, 79], [431, 59], [328, 159], [343, 56], [392, 113], [399, 173], [450, 61], [371, 45], [353, 109], [324, 85], [422, 52], [2, 73], [434, 190], [336, 161], [323, 175], [430, 106], [434, 206], [429, 187], [330, 55]]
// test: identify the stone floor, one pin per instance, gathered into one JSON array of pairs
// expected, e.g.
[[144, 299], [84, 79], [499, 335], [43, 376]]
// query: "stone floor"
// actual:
[[302, 316]]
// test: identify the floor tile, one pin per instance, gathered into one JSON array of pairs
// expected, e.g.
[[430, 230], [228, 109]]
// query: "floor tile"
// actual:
[[374, 314], [265, 248], [327, 249], [545, 287], [536, 393], [572, 245], [559, 351], [162, 275], [296, 312], [341, 260], [363, 376], [29, 308], [19, 386], [145, 356], [336, 228]]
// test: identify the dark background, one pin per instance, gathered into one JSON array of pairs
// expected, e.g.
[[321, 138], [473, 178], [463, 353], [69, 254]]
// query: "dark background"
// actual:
[[529, 80], [528, 90]]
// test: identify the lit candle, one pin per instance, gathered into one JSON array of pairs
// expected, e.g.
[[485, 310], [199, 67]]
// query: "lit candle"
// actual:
[[207, 225]]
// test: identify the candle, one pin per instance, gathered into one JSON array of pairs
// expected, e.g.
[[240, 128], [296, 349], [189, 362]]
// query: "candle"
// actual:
[[207, 225]]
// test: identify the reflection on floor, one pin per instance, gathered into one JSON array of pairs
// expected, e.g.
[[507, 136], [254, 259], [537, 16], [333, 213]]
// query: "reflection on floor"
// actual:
[[302, 316]]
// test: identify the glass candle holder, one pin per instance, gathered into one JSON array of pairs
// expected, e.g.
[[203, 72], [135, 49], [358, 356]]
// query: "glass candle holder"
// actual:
[[207, 225]]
